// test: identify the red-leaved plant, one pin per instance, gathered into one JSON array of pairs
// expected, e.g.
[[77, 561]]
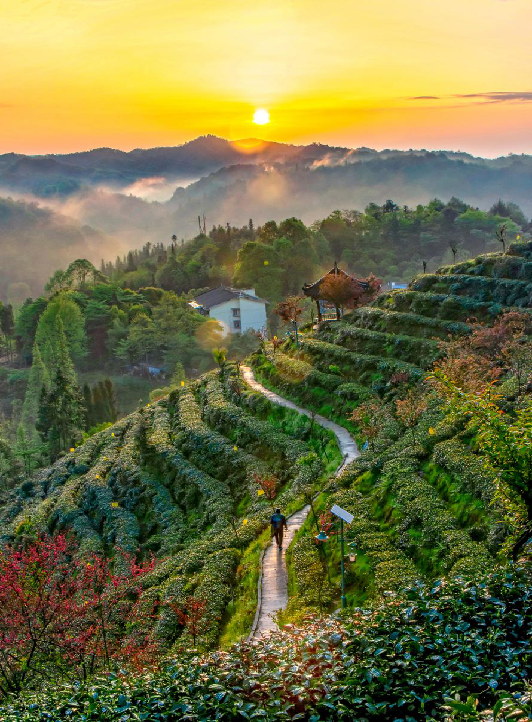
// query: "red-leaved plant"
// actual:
[[191, 615], [62, 615]]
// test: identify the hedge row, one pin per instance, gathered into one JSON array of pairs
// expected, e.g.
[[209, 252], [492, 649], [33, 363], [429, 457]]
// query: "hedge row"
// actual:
[[246, 429], [392, 568], [492, 265], [364, 368], [445, 306], [509, 292], [209, 450], [411, 324], [422, 509], [377, 343]]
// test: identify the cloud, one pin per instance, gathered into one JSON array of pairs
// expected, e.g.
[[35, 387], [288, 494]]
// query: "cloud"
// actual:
[[497, 96]]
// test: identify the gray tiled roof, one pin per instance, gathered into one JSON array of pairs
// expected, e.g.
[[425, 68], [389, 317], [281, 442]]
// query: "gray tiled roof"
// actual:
[[219, 295]]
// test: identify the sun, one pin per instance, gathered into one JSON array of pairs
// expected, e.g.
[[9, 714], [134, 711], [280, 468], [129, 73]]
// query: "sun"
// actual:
[[261, 116]]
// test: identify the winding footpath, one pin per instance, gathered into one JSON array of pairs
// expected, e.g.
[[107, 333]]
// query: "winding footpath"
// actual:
[[273, 580]]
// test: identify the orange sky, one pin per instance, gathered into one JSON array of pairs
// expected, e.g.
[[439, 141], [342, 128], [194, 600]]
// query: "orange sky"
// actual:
[[78, 74]]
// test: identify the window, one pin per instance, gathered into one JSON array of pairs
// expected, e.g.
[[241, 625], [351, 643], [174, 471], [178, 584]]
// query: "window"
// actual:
[[236, 312], [236, 325]]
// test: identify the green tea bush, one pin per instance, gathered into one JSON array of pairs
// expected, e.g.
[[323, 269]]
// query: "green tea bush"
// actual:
[[508, 292], [376, 343], [411, 324], [440, 305], [459, 639]]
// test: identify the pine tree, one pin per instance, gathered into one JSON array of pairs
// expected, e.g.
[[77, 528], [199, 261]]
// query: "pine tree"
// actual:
[[111, 400], [98, 404], [62, 413], [87, 399], [38, 379]]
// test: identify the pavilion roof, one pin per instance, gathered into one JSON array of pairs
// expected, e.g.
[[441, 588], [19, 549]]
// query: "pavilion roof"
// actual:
[[312, 290]]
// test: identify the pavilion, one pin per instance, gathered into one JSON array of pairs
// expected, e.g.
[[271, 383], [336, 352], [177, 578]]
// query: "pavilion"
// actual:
[[312, 290]]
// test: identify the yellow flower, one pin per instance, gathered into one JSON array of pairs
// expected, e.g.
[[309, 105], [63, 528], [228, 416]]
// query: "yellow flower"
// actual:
[[182, 383], [115, 504], [97, 476], [72, 448], [244, 522], [235, 448], [518, 237], [431, 431], [266, 263], [260, 492], [113, 433]]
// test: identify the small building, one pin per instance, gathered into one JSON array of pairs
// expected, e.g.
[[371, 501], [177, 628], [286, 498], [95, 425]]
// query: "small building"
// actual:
[[326, 310], [238, 310], [396, 286]]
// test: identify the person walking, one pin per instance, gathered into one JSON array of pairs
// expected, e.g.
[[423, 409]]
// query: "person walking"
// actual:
[[278, 525]]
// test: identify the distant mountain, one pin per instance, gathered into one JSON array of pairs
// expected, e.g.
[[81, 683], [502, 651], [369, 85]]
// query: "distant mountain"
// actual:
[[116, 200], [275, 191], [59, 175], [64, 174]]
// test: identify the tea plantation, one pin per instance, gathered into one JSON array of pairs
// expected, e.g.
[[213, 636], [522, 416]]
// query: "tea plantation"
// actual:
[[438, 624]]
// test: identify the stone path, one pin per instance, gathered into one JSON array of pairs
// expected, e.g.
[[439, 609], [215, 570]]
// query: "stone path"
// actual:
[[273, 582]]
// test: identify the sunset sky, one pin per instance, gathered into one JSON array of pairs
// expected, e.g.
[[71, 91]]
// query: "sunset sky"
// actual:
[[78, 74]]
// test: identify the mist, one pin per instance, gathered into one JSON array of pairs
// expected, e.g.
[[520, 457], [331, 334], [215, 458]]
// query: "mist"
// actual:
[[39, 234]]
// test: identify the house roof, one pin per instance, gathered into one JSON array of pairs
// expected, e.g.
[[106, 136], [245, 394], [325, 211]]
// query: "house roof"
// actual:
[[313, 289], [219, 295]]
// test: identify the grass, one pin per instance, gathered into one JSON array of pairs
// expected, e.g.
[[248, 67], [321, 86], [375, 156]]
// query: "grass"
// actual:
[[467, 509], [313, 398], [240, 611]]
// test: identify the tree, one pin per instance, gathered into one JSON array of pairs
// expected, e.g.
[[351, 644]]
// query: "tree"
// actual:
[[62, 307], [289, 311], [347, 291], [66, 616], [500, 235], [367, 417], [409, 409], [267, 484], [191, 615], [62, 414], [38, 379], [220, 357]]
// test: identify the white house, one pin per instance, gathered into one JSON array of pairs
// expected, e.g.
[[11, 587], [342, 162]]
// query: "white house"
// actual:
[[238, 310]]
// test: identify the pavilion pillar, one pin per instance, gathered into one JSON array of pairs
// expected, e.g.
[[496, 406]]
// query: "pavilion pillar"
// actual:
[[319, 309]]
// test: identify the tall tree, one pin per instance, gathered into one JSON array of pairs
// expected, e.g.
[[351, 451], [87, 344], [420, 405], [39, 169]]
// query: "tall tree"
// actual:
[[62, 414], [38, 379]]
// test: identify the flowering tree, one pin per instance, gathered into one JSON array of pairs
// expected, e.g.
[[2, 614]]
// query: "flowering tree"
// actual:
[[268, 484], [367, 417], [409, 409], [191, 615], [65, 616], [290, 310], [349, 292]]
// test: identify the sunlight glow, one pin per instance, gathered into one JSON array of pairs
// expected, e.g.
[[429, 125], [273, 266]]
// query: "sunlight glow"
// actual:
[[261, 116]]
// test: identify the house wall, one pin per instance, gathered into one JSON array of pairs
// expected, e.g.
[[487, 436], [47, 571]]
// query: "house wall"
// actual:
[[252, 314]]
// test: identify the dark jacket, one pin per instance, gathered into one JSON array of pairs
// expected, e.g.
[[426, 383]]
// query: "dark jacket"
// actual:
[[278, 521]]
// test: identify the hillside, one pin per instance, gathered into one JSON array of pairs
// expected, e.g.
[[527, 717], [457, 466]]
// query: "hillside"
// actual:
[[188, 479], [424, 502], [35, 241]]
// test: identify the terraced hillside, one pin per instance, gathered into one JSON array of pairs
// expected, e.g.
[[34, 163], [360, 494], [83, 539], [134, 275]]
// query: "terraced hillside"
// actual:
[[181, 479], [423, 500]]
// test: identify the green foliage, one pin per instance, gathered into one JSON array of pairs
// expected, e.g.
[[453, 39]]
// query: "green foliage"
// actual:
[[465, 641]]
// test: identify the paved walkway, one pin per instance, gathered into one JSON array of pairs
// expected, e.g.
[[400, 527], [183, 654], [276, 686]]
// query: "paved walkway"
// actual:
[[273, 583]]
